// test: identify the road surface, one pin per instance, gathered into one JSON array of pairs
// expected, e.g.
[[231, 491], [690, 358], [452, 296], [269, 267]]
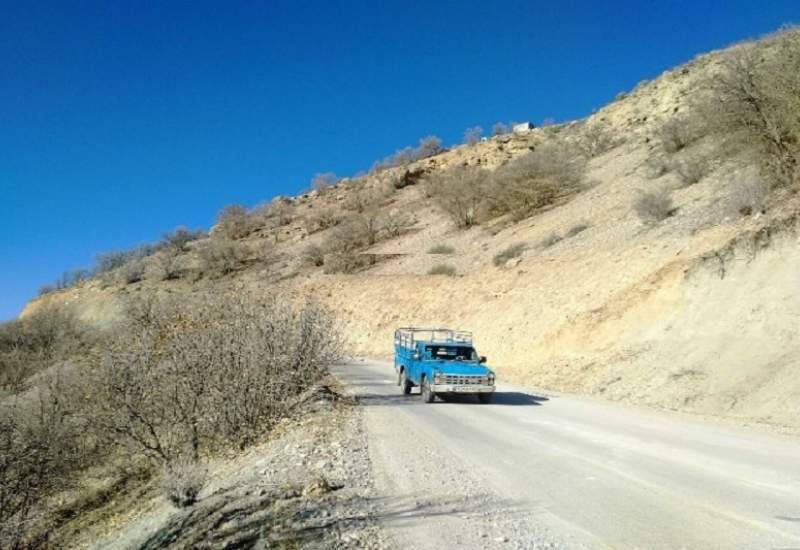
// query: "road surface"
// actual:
[[536, 471]]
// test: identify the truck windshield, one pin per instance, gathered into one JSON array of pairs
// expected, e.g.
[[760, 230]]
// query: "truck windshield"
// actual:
[[452, 353]]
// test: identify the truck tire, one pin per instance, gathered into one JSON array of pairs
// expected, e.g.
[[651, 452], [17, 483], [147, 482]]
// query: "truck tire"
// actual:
[[485, 398], [427, 393], [405, 384]]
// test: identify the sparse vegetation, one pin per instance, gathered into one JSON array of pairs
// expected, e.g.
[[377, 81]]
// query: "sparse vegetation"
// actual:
[[441, 249], [219, 256], [500, 129], [595, 139], [513, 251], [747, 193], [473, 135], [320, 182], [234, 222], [181, 481], [528, 183], [550, 240], [653, 206], [752, 104], [460, 192], [428, 147], [691, 168], [442, 269], [576, 229], [676, 133]]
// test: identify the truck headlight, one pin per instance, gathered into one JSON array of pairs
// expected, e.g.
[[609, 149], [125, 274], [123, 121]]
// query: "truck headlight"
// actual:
[[490, 379], [437, 377]]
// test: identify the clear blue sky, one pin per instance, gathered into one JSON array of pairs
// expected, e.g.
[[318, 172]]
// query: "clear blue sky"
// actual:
[[122, 120]]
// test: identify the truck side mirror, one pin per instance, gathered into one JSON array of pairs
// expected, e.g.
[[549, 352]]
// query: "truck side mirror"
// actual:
[[482, 359]]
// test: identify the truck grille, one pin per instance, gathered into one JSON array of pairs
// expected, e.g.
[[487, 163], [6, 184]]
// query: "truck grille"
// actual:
[[465, 380]]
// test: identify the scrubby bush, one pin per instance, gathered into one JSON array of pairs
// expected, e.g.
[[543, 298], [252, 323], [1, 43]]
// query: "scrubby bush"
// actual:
[[500, 129], [428, 147], [550, 240], [595, 139], [313, 255], [441, 249], [460, 192], [576, 229], [234, 222], [179, 238], [753, 101], [537, 179], [653, 206], [190, 375], [132, 271], [323, 181], [321, 219], [691, 168], [182, 480], [676, 133], [746, 193], [513, 251], [473, 135], [42, 443], [442, 269], [27, 346], [219, 257]]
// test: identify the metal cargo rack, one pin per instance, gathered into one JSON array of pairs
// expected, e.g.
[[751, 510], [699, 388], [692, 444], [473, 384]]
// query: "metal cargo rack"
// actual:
[[407, 336]]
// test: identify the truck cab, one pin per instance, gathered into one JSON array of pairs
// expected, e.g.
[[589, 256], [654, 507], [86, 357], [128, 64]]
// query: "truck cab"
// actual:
[[441, 362]]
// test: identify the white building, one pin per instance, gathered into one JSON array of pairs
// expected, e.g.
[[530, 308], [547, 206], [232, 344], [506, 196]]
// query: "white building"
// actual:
[[523, 128]]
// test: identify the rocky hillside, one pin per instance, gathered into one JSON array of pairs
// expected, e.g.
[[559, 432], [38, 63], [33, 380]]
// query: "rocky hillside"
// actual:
[[662, 268]]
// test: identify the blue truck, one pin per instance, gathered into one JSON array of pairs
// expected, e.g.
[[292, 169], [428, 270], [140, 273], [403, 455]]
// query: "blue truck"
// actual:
[[441, 362]]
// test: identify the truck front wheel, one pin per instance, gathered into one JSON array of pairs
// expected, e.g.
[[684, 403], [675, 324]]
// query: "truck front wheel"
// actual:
[[427, 393], [405, 384]]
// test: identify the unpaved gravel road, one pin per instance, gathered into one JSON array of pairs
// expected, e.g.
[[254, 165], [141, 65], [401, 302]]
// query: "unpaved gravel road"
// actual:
[[531, 471]]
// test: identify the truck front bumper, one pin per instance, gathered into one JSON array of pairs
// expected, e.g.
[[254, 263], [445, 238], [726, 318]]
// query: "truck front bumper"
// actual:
[[461, 388]]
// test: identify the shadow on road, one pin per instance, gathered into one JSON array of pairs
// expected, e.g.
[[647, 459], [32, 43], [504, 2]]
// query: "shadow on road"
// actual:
[[510, 398]]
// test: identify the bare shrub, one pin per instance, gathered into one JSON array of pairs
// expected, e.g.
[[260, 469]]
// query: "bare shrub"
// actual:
[[459, 191], [132, 271], [29, 345], [179, 238], [277, 213], [595, 139], [500, 129], [550, 240], [41, 444], [576, 229], [428, 147], [513, 251], [442, 269], [320, 182], [473, 135], [747, 193], [653, 206], [182, 480], [189, 375], [348, 262], [753, 103], [313, 255], [441, 249], [676, 133], [166, 265], [542, 177], [691, 168], [219, 257], [234, 222], [656, 166], [395, 223], [321, 219]]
